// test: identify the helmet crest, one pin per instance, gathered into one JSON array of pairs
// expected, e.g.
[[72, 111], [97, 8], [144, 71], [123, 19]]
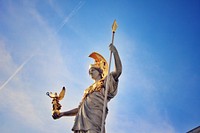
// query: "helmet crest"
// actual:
[[100, 62]]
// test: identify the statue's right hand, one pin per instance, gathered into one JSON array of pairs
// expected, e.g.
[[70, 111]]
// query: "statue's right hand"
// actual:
[[56, 116]]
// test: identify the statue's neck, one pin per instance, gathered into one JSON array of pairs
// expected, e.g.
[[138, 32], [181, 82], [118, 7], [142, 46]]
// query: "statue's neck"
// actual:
[[97, 79]]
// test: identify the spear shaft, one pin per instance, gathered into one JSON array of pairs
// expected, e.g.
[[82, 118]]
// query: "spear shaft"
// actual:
[[114, 27]]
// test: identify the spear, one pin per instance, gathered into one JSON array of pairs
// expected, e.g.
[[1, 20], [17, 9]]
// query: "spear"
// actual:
[[114, 27]]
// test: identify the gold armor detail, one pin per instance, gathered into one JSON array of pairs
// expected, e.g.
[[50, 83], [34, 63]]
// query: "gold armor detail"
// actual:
[[101, 63], [97, 86]]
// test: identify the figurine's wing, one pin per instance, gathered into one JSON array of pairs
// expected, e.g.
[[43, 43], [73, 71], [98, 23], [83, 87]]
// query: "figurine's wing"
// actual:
[[62, 94]]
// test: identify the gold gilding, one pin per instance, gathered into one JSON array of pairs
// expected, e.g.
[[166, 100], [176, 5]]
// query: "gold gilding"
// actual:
[[114, 26], [55, 101], [100, 62]]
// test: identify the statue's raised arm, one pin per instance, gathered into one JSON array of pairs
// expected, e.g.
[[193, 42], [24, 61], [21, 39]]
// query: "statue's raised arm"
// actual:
[[118, 65]]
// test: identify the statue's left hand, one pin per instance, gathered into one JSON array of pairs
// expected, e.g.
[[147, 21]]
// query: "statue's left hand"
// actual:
[[112, 48]]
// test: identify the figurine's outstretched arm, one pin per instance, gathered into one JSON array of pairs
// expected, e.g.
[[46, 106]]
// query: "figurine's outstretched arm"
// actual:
[[118, 65], [72, 112]]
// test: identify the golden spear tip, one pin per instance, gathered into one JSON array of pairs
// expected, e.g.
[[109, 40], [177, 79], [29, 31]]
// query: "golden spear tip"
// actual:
[[114, 26]]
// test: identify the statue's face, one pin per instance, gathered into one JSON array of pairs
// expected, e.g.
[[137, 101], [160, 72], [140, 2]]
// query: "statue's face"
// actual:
[[94, 73]]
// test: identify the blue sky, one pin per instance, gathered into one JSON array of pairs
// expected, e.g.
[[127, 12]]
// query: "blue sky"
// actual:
[[44, 45]]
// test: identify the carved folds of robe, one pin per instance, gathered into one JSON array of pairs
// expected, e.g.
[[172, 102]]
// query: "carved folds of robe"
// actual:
[[89, 116]]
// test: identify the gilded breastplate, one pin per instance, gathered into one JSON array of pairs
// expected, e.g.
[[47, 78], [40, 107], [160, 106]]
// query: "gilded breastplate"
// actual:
[[97, 86]]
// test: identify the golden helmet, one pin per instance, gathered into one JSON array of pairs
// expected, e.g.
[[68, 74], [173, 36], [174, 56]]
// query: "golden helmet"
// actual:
[[100, 62]]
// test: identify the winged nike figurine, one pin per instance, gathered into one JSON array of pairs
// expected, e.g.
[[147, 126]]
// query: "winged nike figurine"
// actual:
[[55, 101]]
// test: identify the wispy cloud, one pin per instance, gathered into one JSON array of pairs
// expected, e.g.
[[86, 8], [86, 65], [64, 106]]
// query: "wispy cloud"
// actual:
[[13, 98], [27, 82], [135, 109], [71, 14], [14, 74]]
